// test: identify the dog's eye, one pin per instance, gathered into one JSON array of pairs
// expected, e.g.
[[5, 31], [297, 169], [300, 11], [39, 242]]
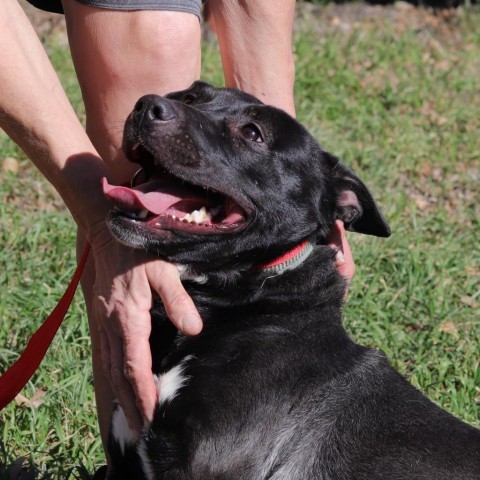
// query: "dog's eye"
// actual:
[[251, 132], [189, 99]]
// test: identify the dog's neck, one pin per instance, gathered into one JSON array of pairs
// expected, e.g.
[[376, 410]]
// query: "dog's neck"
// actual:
[[313, 281], [288, 260], [308, 298]]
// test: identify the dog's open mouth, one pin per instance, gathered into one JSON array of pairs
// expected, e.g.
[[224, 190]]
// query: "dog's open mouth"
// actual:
[[166, 202]]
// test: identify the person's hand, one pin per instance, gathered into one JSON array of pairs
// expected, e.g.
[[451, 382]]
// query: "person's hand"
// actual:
[[123, 288], [344, 259]]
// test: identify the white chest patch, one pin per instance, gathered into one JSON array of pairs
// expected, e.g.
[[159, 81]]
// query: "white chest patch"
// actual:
[[169, 383], [121, 431], [186, 274]]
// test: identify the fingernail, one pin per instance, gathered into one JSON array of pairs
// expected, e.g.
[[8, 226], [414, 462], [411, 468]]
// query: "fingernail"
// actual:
[[339, 257], [190, 323]]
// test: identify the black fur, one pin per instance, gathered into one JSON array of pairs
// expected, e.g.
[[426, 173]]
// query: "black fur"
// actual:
[[276, 388]]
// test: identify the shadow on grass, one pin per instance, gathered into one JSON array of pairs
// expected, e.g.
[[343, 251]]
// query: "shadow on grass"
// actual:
[[23, 468]]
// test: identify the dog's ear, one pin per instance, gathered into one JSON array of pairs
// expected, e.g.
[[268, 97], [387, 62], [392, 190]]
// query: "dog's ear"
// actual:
[[354, 204]]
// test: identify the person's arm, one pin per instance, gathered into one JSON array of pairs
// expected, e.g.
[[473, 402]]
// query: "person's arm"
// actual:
[[36, 113]]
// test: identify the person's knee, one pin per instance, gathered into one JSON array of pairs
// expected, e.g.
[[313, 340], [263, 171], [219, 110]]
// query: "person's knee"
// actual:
[[159, 48], [132, 50], [167, 42], [166, 34]]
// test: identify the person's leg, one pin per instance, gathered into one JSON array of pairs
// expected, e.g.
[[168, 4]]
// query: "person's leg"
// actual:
[[120, 56], [255, 40]]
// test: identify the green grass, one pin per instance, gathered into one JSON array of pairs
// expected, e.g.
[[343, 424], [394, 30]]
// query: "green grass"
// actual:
[[399, 101]]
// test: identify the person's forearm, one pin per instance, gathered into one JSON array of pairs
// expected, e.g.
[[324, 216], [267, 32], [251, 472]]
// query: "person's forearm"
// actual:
[[36, 114]]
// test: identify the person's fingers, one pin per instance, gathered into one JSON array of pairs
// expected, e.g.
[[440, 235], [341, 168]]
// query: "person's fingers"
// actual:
[[165, 279], [121, 386], [344, 258], [124, 322], [127, 365], [137, 370], [348, 268], [335, 242]]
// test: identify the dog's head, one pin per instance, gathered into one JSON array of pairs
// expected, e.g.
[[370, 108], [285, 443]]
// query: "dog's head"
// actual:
[[230, 181]]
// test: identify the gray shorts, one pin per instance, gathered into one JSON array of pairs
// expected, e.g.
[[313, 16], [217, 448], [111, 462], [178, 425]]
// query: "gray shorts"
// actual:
[[189, 6]]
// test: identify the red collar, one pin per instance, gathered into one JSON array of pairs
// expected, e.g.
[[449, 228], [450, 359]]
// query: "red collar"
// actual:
[[288, 260]]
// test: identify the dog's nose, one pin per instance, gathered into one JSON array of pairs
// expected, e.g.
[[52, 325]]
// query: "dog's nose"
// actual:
[[153, 108]]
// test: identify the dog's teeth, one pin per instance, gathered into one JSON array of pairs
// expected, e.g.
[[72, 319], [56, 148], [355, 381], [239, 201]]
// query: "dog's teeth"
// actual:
[[206, 217], [143, 214], [198, 216]]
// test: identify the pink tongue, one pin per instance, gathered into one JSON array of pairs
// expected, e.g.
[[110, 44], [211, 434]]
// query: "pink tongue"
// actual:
[[155, 196]]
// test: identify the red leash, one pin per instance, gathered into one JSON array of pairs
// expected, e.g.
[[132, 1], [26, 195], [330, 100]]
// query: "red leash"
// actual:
[[17, 376]]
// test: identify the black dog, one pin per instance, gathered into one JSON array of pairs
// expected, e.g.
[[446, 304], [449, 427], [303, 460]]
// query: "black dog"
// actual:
[[243, 198]]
